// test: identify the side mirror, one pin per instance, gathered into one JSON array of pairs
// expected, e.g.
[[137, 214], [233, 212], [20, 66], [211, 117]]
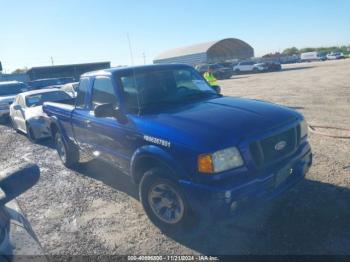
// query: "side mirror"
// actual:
[[17, 107], [105, 110], [109, 110], [217, 89], [15, 181]]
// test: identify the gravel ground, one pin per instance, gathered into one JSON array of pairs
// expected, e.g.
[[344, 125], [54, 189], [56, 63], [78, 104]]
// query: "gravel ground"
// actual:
[[94, 210]]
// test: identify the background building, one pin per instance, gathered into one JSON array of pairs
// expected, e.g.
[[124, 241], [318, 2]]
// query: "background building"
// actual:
[[210, 52], [74, 70], [14, 77]]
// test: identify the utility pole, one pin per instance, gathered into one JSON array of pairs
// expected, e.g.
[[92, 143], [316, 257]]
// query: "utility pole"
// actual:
[[144, 58], [52, 61], [130, 49]]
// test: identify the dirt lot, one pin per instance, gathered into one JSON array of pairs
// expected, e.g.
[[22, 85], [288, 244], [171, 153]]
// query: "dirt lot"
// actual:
[[94, 210]]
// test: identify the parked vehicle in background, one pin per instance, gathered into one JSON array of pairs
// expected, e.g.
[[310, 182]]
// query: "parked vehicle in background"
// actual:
[[335, 56], [273, 66], [195, 154], [289, 59], [219, 71], [17, 237], [8, 92], [71, 88], [50, 82], [312, 56], [249, 67], [27, 115]]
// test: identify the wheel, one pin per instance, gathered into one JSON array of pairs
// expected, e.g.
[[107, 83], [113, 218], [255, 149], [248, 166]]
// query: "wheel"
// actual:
[[237, 71], [255, 70], [30, 134], [67, 153], [164, 202]]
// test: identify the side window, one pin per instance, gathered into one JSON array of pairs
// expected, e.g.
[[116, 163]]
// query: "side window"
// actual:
[[82, 90], [103, 92]]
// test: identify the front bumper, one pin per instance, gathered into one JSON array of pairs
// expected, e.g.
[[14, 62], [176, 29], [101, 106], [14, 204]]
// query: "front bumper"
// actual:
[[225, 200]]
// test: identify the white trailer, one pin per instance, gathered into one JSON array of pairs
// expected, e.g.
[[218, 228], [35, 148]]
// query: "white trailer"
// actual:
[[311, 56]]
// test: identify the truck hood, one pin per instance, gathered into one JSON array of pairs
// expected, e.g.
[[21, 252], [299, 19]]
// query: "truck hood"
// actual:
[[217, 123], [7, 99]]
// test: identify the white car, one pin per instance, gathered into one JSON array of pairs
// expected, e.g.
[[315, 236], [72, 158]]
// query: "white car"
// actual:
[[27, 115], [8, 92], [335, 56], [71, 89], [250, 66]]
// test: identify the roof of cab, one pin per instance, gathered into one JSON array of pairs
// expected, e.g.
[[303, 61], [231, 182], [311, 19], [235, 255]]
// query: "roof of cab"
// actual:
[[110, 71]]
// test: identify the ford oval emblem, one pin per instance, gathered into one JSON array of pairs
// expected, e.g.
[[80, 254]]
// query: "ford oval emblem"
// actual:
[[280, 145]]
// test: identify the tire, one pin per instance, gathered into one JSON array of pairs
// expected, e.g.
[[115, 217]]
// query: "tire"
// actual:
[[30, 134], [173, 213], [255, 70], [237, 71], [67, 152]]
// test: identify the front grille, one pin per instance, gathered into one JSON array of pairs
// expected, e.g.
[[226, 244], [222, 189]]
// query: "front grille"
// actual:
[[264, 152]]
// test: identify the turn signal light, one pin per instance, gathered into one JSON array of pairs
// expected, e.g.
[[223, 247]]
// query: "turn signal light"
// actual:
[[205, 164]]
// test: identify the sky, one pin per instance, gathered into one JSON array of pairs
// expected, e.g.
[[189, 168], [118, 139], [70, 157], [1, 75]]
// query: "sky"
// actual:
[[79, 31]]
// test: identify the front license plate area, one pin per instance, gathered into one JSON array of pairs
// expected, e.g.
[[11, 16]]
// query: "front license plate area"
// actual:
[[283, 175]]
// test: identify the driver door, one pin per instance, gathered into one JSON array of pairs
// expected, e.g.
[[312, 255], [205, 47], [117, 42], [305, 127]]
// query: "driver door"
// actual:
[[106, 135]]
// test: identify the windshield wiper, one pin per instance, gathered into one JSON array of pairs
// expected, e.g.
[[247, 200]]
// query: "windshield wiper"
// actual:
[[198, 95], [161, 102]]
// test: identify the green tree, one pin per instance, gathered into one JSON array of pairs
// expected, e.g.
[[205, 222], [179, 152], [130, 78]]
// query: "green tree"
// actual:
[[307, 49], [20, 70], [290, 51]]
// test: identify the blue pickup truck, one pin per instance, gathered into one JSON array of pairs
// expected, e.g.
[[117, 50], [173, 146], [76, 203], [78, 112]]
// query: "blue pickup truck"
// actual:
[[193, 152]]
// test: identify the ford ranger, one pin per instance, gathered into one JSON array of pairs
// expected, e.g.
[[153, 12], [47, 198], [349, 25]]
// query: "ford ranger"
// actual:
[[193, 152]]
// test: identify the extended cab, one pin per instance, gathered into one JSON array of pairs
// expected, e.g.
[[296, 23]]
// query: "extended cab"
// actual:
[[192, 151]]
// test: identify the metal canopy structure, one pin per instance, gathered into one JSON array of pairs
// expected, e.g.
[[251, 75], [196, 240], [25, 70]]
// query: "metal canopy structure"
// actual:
[[73, 70], [210, 52]]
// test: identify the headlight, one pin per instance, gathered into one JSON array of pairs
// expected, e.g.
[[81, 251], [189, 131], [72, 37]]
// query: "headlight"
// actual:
[[220, 161], [303, 128]]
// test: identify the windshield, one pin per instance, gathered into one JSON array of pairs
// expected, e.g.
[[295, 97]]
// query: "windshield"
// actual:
[[12, 89], [163, 87], [39, 99]]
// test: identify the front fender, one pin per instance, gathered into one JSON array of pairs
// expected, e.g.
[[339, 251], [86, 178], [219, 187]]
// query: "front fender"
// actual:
[[54, 121], [159, 155]]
